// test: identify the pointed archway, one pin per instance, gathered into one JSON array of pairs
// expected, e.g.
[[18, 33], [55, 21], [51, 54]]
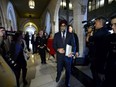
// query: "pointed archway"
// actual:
[[11, 18], [30, 27]]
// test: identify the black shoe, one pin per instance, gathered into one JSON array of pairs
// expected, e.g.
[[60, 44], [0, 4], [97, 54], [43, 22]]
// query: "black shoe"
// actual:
[[18, 85], [57, 79], [44, 63], [25, 82]]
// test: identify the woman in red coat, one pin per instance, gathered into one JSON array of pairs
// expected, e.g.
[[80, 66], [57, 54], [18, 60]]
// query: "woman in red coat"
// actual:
[[50, 46]]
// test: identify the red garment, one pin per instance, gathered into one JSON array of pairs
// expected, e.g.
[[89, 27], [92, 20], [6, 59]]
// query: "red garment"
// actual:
[[50, 46]]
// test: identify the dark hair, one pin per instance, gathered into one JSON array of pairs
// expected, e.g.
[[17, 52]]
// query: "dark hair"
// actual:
[[16, 36], [114, 16], [62, 21], [72, 28], [100, 17], [103, 19]]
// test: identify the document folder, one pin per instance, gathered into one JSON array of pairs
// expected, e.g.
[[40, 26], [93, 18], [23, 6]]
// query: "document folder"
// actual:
[[68, 49]]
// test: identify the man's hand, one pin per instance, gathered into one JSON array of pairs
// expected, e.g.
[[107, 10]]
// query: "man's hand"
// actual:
[[61, 50], [70, 55], [77, 54]]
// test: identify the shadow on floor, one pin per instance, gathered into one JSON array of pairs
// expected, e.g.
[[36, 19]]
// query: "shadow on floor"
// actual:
[[82, 77]]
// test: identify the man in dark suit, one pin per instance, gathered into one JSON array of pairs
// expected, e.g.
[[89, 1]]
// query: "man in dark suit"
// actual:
[[110, 48], [61, 39], [98, 60]]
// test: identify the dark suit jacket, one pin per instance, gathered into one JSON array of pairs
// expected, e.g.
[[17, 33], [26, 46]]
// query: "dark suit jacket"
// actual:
[[58, 43]]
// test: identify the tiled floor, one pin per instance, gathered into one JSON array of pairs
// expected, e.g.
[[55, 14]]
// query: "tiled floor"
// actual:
[[43, 75]]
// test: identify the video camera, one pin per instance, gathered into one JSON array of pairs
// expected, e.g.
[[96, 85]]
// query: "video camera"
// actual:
[[88, 24], [10, 33]]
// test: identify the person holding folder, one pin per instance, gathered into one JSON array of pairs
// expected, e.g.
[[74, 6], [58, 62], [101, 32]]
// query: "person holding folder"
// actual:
[[61, 40]]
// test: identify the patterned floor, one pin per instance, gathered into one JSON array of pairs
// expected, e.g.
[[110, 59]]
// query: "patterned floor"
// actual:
[[43, 75]]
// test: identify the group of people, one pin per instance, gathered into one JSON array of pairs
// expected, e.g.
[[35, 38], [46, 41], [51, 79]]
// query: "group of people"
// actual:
[[102, 52], [56, 47], [18, 51], [5, 70], [101, 44], [41, 43]]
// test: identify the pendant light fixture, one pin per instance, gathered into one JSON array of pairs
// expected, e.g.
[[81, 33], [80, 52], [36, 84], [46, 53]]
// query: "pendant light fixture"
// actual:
[[31, 4]]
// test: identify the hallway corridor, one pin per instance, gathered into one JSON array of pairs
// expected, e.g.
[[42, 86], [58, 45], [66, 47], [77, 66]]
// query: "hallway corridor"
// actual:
[[43, 75], [39, 21]]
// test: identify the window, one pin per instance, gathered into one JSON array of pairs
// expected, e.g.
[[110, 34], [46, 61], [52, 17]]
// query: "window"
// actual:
[[63, 4], [93, 5], [89, 6], [97, 4], [101, 3], [11, 17], [70, 6], [110, 1]]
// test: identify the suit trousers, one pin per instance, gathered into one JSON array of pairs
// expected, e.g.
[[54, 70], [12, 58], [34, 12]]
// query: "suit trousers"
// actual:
[[42, 55], [66, 63]]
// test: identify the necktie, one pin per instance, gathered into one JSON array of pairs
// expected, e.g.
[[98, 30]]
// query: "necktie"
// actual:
[[63, 37]]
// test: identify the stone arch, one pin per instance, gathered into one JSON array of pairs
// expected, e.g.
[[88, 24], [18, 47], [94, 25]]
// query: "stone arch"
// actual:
[[12, 24], [28, 24]]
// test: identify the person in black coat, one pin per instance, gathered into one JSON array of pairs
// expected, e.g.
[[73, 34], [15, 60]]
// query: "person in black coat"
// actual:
[[89, 44], [98, 60], [70, 29], [61, 39], [33, 42], [110, 69], [27, 40], [41, 46], [16, 51]]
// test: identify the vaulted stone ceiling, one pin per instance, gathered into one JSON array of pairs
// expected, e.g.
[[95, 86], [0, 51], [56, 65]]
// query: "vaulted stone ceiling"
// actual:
[[23, 10]]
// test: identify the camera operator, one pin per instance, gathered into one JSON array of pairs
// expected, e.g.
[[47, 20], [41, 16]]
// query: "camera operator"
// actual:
[[89, 30], [89, 44], [98, 60], [110, 71], [7, 77]]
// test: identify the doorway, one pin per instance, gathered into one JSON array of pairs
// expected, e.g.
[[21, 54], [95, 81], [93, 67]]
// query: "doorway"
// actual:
[[30, 29]]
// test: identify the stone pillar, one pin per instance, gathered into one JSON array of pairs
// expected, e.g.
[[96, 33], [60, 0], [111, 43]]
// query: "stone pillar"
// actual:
[[78, 17]]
